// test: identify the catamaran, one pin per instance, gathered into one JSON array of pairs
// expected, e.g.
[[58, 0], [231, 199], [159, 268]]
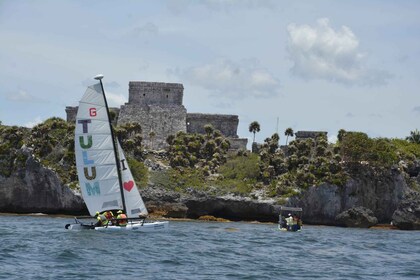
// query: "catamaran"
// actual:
[[105, 180]]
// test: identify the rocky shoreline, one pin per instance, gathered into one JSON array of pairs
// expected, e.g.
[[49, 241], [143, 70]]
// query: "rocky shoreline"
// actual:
[[370, 197]]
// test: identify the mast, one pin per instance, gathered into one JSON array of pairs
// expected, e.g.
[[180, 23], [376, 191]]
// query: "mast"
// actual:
[[100, 77]]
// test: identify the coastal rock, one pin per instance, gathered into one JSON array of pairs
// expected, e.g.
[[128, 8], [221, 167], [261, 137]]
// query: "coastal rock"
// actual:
[[373, 188], [413, 168], [240, 209], [360, 217], [37, 189], [407, 216], [194, 204]]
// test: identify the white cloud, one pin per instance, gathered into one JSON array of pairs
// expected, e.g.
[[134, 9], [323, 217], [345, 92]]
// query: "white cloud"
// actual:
[[33, 123], [232, 80], [416, 109], [332, 139], [23, 97], [320, 52]]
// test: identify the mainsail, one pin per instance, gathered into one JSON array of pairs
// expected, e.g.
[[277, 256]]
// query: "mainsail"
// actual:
[[96, 161]]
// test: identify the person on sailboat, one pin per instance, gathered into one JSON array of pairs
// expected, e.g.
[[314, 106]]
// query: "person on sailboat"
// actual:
[[109, 216], [120, 219], [102, 220]]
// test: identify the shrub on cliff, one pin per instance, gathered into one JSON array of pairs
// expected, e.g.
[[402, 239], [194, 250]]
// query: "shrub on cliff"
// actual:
[[12, 138], [52, 142], [358, 147], [139, 171], [304, 163], [129, 136], [196, 150]]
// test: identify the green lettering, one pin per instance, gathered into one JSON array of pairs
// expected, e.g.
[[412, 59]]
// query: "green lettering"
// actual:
[[82, 142]]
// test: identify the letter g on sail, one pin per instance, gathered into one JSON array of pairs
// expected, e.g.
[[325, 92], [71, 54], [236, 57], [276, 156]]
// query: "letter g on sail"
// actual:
[[92, 112]]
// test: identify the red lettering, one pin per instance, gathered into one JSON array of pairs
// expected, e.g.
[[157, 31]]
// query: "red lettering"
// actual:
[[92, 112]]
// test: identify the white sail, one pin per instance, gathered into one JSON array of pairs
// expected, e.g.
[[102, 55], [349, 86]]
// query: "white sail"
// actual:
[[133, 201], [95, 158]]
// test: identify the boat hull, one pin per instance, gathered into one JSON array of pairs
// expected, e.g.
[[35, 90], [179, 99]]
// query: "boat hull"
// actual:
[[138, 226], [143, 227]]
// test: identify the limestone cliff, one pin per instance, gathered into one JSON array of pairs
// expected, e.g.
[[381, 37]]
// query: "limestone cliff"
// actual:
[[36, 188], [376, 189], [379, 191], [384, 192]]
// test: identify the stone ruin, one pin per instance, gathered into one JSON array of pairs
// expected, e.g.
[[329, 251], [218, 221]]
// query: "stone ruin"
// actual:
[[158, 107], [300, 135]]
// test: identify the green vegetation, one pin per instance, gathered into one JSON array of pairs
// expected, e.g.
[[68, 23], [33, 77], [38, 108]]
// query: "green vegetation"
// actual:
[[414, 137], [288, 132], [239, 174], [139, 171], [12, 156], [254, 127], [203, 162], [205, 152]]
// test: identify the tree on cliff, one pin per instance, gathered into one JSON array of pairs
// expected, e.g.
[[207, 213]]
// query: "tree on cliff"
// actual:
[[287, 133], [197, 150], [254, 127], [52, 142], [129, 135], [414, 137], [341, 134]]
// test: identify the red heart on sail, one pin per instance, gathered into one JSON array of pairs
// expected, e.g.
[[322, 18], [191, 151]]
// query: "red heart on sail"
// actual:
[[128, 185]]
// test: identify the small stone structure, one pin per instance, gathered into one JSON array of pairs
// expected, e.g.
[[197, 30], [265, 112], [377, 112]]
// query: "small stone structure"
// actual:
[[158, 108], [309, 134]]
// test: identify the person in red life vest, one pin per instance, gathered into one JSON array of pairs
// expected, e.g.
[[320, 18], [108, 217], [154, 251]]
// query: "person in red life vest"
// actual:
[[120, 219], [109, 216]]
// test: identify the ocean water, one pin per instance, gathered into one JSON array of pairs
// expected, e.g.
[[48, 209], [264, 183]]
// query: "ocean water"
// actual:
[[38, 247]]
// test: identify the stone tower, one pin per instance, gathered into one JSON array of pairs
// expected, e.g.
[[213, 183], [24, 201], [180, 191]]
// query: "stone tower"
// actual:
[[158, 108]]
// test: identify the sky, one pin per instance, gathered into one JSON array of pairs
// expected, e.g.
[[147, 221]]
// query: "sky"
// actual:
[[309, 65]]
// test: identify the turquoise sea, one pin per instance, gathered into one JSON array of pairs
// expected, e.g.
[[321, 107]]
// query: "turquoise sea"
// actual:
[[38, 247]]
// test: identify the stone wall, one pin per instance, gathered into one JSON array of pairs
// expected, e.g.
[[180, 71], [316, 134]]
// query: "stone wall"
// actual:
[[162, 120], [309, 134], [227, 124], [152, 93], [238, 143]]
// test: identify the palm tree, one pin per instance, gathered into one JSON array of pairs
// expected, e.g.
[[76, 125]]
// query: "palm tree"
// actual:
[[341, 134], [254, 127], [209, 129], [288, 132], [414, 137]]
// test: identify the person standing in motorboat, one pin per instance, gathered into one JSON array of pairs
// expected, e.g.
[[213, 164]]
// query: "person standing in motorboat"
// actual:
[[289, 221], [298, 223], [121, 219], [295, 225]]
